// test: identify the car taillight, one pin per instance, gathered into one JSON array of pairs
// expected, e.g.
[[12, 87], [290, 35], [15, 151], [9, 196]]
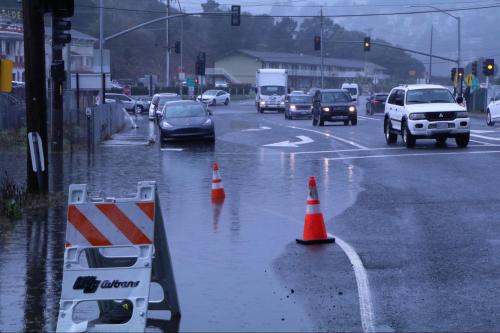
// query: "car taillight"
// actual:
[[375, 102]]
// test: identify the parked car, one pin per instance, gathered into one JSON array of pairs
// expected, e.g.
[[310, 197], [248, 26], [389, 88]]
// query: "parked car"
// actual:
[[376, 103], [333, 105], [493, 110], [130, 104], [186, 120], [425, 111], [214, 97], [221, 84], [298, 106], [143, 103], [158, 102]]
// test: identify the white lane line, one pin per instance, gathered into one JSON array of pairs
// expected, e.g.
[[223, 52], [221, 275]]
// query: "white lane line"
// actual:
[[349, 142], [171, 149], [369, 118], [344, 150], [365, 299], [482, 142], [485, 137], [411, 155], [481, 131]]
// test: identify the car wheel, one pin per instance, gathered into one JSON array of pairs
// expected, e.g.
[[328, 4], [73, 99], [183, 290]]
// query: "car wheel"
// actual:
[[214, 102], [368, 108], [462, 140], [226, 102], [408, 139], [489, 122], [390, 138], [162, 137], [321, 122], [441, 141], [354, 121], [346, 122]]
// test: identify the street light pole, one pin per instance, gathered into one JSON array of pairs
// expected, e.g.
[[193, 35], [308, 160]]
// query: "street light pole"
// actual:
[[321, 46], [430, 57]]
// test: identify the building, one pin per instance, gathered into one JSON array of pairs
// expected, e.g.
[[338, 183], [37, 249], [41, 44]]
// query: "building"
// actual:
[[304, 71], [12, 47]]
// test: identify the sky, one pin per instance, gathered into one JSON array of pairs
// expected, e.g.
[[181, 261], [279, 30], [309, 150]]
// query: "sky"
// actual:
[[479, 27]]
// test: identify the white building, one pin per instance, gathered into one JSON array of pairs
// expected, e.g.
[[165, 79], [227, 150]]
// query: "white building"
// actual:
[[12, 47]]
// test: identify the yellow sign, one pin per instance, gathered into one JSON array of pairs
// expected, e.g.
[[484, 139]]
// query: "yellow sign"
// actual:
[[469, 79], [6, 75]]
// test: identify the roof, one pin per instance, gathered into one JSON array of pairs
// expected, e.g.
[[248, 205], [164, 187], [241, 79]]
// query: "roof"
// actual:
[[306, 59], [75, 34], [421, 86]]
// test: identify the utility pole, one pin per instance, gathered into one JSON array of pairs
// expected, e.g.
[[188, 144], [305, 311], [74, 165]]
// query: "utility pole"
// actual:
[[36, 107], [167, 63], [322, 58], [182, 49], [101, 47], [430, 56]]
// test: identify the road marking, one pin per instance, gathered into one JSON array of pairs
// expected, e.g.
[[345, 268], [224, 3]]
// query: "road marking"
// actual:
[[344, 150], [365, 300], [261, 128], [171, 149], [483, 143], [331, 136], [485, 137], [482, 131], [411, 155], [303, 140], [369, 118]]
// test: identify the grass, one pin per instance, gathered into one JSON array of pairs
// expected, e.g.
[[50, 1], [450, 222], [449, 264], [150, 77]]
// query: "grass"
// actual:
[[12, 198], [13, 138]]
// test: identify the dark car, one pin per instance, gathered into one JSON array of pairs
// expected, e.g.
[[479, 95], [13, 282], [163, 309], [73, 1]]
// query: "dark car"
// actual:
[[376, 103], [333, 105], [298, 106], [186, 120]]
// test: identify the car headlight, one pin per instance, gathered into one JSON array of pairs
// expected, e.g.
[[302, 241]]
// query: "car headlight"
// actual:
[[263, 103], [208, 122], [326, 109], [417, 116], [165, 124], [293, 107], [352, 109], [462, 114]]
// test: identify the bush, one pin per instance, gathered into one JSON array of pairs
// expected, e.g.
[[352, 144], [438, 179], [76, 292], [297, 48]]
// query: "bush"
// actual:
[[12, 197]]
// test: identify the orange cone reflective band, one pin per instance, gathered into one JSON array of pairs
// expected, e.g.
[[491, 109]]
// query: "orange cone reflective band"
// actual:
[[217, 188], [314, 224]]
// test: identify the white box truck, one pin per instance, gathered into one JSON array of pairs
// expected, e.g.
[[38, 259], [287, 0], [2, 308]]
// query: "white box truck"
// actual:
[[271, 87]]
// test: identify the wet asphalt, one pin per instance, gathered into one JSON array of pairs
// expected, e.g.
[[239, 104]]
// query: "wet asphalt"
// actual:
[[423, 222]]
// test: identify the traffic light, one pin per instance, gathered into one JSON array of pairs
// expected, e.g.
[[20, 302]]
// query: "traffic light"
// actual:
[[317, 43], [60, 32], [453, 74], [177, 47], [6, 67], [59, 8], [367, 44], [200, 64], [489, 67], [474, 68], [235, 15]]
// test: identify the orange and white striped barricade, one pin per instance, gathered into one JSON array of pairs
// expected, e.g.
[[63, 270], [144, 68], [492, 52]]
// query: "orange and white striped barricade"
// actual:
[[115, 249]]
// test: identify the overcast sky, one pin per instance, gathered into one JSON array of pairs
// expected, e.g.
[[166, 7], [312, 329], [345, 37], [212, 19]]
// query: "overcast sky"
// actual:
[[480, 28]]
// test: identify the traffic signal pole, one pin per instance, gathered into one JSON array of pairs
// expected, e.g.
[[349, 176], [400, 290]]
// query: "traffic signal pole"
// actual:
[[57, 98], [322, 58], [36, 106]]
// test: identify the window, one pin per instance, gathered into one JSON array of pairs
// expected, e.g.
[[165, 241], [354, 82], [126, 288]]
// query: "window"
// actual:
[[422, 96], [335, 97], [497, 98], [392, 97]]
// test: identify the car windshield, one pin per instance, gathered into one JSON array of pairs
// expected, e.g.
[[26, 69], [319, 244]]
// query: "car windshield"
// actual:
[[422, 96], [335, 97], [184, 110], [300, 99], [210, 92], [164, 99], [380, 97], [272, 90], [352, 91]]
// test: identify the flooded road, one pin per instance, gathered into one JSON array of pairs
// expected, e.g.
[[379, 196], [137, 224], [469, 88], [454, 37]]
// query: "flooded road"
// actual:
[[236, 265]]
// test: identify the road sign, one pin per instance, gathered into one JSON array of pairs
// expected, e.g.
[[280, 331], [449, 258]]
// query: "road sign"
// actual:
[[182, 76], [468, 80], [475, 84]]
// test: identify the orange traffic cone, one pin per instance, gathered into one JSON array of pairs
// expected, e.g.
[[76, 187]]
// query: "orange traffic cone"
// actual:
[[314, 225], [217, 188]]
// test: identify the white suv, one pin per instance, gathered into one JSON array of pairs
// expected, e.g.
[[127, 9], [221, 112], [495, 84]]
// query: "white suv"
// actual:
[[425, 111]]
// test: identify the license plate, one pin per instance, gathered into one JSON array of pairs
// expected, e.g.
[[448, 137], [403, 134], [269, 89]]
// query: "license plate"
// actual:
[[339, 117], [442, 125]]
